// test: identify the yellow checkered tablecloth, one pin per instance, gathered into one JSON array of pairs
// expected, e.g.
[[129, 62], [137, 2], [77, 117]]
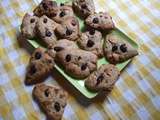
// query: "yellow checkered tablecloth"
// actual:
[[137, 92]]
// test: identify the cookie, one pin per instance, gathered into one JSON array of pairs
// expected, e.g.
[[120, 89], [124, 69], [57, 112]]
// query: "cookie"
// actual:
[[91, 41], [61, 45], [69, 29], [61, 13], [45, 7], [76, 62], [84, 7], [45, 30], [101, 21], [103, 79], [39, 67], [51, 99], [117, 50], [28, 26]]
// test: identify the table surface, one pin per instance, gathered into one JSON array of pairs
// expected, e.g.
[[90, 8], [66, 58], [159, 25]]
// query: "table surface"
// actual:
[[135, 96]]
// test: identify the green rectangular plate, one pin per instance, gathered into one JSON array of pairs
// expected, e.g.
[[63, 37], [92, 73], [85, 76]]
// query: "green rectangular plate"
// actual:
[[79, 84]]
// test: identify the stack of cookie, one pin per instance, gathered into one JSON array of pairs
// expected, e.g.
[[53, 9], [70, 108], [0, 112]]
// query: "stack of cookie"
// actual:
[[77, 52]]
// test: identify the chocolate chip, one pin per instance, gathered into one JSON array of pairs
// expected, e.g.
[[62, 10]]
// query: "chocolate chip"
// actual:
[[48, 33], [73, 23], [79, 58], [57, 106], [84, 66], [53, 14], [38, 55], [32, 69], [45, 6], [57, 49], [114, 48], [32, 20], [68, 58], [84, 6], [95, 20], [46, 92], [62, 14], [99, 79], [45, 20], [68, 32], [90, 43], [123, 48], [62, 4], [92, 32]]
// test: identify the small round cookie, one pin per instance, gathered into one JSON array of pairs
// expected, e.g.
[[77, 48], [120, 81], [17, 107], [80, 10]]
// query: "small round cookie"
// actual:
[[45, 7], [51, 99], [117, 50], [69, 29], [76, 62], [83, 7], [60, 45], [61, 13], [103, 79], [39, 67], [45, 30], [101, 21], [91, 41], [28, 26]]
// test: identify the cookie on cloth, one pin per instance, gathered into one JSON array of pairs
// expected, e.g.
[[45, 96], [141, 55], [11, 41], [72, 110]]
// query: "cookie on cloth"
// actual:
[[51, 99], [40, 65]]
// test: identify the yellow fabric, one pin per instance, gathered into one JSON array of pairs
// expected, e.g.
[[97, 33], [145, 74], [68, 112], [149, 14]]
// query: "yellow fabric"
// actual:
[[135, 96]]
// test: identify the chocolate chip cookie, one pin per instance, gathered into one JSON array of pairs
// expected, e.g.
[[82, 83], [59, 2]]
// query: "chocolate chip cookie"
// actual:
[[103, 79], [84, 7], [51, 99], [39, 67], [101, 21], [117, 50], [76, 62], [91, 41], [61, 45], [28, 26], [68, 29], [45, 7], [45, 30], [61, 13]]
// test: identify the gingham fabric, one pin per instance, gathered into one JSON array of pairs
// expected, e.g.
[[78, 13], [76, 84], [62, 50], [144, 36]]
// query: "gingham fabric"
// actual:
[[135, 96]]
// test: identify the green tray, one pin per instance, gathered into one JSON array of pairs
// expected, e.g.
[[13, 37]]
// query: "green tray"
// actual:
[[79, 84]]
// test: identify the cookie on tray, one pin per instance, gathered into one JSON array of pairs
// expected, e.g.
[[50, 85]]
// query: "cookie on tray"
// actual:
[[51, 99], [117, 50], [83, 7], [28, 26], [68, 29], [101, 21], [39, 67], [103, 79], [61, 13], [45, 7], [91, 41], [60, 45], [45, 30], [76, 62]]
